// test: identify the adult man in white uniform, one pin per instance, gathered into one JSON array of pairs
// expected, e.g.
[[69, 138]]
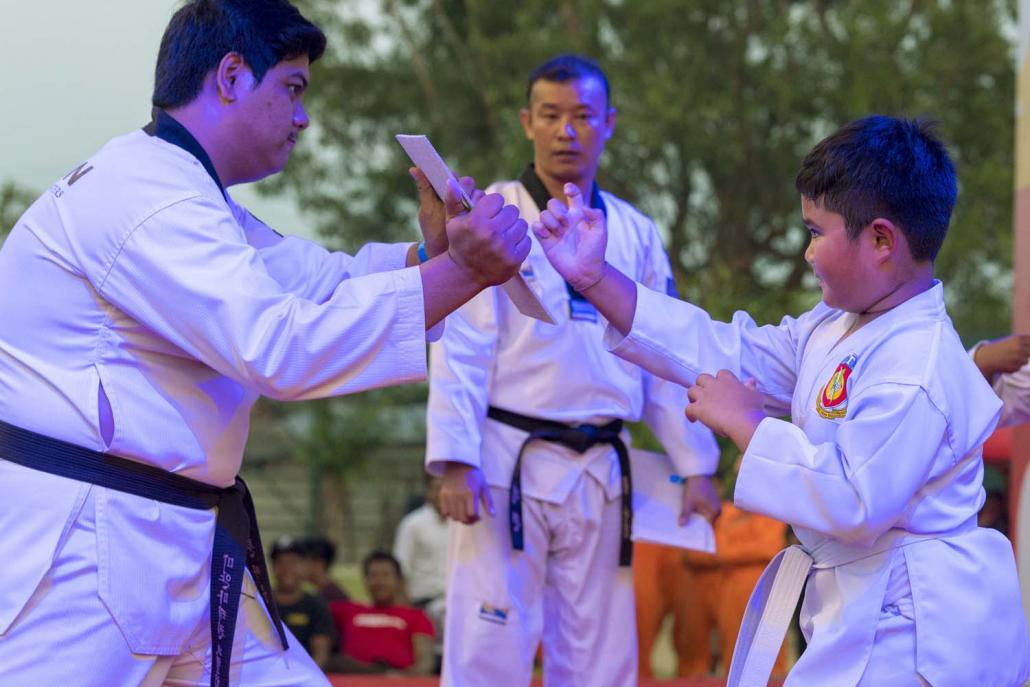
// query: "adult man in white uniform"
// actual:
[[528, 416], [880, 470], [143, 314]]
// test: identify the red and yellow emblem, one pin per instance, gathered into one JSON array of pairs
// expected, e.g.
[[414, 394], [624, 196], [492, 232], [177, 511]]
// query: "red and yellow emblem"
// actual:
[[833, 401]]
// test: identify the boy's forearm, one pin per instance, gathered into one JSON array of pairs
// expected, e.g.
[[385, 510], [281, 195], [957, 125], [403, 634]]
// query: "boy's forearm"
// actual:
[[615, 297]]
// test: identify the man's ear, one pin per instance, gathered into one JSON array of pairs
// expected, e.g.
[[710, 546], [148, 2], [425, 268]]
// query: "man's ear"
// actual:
[[232, 74], [610, 121], [526, 117]]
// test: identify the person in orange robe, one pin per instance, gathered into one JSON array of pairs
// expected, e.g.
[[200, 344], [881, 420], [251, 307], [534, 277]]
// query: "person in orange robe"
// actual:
[[718, 588], [660, 580]]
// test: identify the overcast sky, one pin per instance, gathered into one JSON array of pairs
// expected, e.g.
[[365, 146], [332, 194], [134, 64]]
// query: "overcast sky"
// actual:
[[77, 73]]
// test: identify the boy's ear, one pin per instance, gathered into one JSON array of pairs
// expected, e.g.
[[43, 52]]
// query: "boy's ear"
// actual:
[[887, 237]]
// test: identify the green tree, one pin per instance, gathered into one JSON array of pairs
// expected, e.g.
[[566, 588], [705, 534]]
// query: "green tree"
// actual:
[[13, 202], [718, 102]]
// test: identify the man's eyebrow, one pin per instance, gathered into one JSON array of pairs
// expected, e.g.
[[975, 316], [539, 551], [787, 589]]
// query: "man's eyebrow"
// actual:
[[299, 75]]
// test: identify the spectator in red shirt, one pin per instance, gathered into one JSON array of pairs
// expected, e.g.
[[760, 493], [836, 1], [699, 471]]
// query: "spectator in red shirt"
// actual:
[[384, 637]]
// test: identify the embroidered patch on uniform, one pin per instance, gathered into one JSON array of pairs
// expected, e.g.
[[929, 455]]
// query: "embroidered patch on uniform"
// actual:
[[493, 614], [833, 400], [582, 310], [670, 288]]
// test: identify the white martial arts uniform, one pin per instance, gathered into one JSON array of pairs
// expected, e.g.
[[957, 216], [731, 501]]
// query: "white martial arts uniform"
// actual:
[[421, 548], [567, 583], [880, 475], [143, 314]]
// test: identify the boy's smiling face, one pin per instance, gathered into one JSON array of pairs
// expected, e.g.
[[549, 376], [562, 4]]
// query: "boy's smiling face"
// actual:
[[846, 268]]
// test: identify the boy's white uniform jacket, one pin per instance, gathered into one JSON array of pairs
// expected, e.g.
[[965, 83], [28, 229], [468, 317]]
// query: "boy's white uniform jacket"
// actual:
[[490, 354], [880, 471], [148, 313]]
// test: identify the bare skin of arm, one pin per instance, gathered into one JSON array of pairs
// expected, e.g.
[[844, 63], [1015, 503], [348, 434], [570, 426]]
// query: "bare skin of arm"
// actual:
[[1007, 354], [321, 647], [423, 645]]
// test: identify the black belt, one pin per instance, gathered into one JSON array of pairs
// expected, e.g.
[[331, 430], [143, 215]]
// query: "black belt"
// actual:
[[579, 438], [236, 542]]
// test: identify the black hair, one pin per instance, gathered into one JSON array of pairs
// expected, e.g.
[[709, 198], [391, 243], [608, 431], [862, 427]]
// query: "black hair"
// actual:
[[568, 68], [202, 32], [886, 167], [321, 548], [286, 544], [381, 555]]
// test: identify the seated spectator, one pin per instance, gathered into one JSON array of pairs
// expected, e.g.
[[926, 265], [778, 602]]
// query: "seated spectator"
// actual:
[[421, 548], [306, 615], [384, 637], [319, 554]]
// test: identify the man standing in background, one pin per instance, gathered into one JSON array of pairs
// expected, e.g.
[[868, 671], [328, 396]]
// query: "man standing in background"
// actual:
[[528, 416]]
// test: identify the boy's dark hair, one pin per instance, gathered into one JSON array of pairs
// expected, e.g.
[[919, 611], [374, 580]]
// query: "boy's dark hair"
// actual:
[[568, 68], [886, 167], [202, 32], [381, 555], [321, 548]]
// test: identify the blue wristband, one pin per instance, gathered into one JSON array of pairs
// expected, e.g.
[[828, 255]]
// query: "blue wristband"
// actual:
[[422, 255]]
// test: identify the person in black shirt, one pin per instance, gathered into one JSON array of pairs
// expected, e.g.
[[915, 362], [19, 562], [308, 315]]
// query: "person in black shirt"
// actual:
[[307, 615]]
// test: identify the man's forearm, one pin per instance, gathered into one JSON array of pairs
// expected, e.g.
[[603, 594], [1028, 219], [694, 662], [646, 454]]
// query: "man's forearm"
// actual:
[[445, 288]]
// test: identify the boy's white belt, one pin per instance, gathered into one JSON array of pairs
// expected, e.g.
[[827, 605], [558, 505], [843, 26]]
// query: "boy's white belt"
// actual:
[[772, 603]]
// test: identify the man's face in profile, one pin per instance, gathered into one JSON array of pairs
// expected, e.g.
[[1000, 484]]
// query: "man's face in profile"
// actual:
[[270, 116]]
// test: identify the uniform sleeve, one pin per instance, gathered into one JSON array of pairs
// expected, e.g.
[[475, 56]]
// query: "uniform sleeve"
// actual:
[[187, 274], [677, 341], [690, 445], [308, 270], [856, 487], [461, 370]]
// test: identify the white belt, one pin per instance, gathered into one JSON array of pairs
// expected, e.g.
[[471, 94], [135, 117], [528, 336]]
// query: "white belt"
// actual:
[[772, 603], [768, 614]]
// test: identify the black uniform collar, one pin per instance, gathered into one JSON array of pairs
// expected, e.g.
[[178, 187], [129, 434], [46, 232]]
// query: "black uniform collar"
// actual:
[[165, 127], [540, 195]]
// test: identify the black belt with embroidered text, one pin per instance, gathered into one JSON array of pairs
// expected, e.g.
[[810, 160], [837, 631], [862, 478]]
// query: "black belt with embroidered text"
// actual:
[[579, 438], [236, 542]]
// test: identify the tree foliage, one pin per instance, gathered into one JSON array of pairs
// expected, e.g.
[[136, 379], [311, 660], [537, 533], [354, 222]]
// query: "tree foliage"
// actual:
[[718, 100], [13, 202]]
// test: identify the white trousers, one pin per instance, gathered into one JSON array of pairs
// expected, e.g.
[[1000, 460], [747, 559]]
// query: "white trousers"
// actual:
[[566, 588], [65, 635]]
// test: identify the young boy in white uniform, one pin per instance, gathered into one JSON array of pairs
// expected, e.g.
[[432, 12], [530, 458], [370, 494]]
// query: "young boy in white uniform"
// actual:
[[880, 470], [143, 314], [551, 561]]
